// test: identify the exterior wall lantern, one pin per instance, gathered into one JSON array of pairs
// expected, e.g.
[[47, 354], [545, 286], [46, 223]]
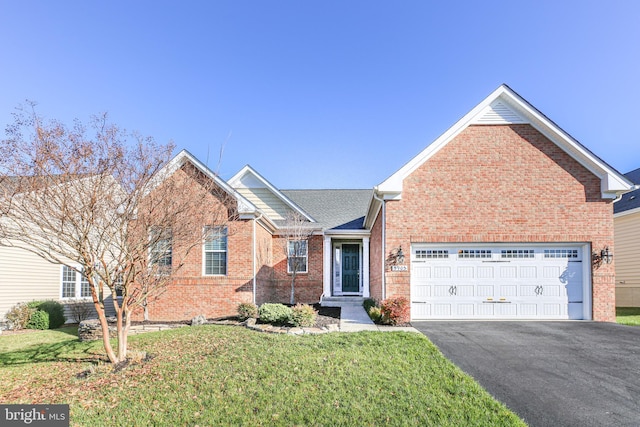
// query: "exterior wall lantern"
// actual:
[[604, 256]]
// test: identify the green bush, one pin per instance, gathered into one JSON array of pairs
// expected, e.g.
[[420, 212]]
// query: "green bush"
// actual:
[[368, 303], [303, 315], [395, 311], [19, 315], [247, 310], [375, 313], [55, 311], [274, 313], [38, 320]]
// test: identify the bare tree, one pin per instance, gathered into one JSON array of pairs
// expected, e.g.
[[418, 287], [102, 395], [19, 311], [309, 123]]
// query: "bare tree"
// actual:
[[296, 233], [107, 203]]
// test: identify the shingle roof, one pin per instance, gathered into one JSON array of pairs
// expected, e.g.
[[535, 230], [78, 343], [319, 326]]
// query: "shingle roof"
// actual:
[[629, 200], [333, 209]]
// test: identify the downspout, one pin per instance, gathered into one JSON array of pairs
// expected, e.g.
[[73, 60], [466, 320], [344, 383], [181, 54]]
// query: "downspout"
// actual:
[[384, 243], [255, 262]]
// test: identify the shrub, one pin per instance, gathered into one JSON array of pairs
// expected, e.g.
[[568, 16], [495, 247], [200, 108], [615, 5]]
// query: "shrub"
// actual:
[[38, 320], [303, 315], [55, 311], [247, 310], [274, 313], [80, 310], [395, 311], [368, 303], [375, 314], [19, 315]]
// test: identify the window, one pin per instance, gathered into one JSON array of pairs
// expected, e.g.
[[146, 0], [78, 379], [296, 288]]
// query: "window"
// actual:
[[474, 253], [561, 253], [517, 253], [297, 256], [160, 251], [74, 284], [215, 251], [438, 253]]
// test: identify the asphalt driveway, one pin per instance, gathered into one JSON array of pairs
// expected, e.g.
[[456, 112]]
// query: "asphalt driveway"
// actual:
[[550, 373]]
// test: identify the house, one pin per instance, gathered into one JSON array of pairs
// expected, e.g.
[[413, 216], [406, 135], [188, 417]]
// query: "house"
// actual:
[[626, 224], [504, 216]]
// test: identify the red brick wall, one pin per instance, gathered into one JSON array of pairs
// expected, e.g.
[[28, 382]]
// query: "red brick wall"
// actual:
[[308, 286], [503, 183], [192, 293]]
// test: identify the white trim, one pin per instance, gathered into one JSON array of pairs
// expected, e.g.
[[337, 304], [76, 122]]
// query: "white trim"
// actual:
[[78, 284], [336, 283], [306, 256], [226, 251], [612, 182], [326, 266]]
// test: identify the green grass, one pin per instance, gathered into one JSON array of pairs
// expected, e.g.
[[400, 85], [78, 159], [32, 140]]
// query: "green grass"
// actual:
[[217, 375], [628, 316]]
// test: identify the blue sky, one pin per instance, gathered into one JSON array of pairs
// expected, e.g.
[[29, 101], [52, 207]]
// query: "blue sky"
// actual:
[[323, 94]]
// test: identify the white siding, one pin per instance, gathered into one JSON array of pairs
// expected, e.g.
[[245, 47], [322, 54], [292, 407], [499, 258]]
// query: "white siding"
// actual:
[[627, 259], [266, 201]]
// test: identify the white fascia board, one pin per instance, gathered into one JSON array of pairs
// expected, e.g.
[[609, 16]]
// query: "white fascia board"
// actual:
[[244, 205], [612, 182], [625, 213], [236, 181]]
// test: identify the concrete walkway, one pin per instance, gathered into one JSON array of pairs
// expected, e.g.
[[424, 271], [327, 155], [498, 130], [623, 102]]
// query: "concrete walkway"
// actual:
[[353, 318]]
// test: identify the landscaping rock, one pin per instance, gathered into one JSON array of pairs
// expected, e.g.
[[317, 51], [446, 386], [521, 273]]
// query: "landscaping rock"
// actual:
[[198, 320], [90, 330], [333, 327]]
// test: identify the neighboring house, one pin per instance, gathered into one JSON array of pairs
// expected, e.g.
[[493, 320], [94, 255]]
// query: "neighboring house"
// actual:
[[626, 223], [502, 217], [25, 277]]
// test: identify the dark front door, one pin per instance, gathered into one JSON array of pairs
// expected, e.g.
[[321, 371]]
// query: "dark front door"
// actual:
[[350, 268]]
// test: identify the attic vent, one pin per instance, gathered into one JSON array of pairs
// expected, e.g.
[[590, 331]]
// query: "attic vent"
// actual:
[[499, 113]]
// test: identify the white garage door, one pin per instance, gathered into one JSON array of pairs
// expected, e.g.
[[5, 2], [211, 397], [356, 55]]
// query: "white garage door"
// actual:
[[498, 282]]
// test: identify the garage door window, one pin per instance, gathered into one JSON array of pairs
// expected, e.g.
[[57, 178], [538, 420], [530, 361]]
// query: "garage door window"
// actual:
[[517, 253], [430, 254], [561, 253], [474, 253]]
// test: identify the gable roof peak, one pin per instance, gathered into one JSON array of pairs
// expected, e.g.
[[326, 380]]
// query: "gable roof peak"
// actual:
[[505, 106], [184, 156], [249, 178]]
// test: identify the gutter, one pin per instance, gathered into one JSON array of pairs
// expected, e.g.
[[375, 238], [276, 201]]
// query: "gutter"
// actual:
[[255, 263], [384, 242]]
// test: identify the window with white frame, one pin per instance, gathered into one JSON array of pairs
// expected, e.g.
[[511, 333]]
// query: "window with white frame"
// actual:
[[160, 251], [297, 256], [215, 251], [74, 284]]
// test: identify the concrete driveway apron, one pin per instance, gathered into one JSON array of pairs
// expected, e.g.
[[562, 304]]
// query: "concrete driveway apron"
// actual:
[[550, 373]]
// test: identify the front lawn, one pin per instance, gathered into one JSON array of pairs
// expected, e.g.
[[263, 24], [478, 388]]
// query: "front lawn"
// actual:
[[628, 316], [217, 375]]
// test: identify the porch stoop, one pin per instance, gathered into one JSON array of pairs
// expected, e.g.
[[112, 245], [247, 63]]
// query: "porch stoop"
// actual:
[[342, 301]]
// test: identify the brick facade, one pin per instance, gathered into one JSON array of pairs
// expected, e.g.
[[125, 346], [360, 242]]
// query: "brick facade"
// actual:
[[192, 293], [503, 183]]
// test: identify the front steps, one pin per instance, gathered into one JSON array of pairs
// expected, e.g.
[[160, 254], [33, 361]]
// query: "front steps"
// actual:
[[342, 301]]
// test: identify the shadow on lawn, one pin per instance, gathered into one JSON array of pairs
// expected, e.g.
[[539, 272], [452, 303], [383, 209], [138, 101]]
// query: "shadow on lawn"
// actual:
[[67, 351]]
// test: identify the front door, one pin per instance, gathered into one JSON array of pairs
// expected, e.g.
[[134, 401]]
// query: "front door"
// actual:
[[350, 268]]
